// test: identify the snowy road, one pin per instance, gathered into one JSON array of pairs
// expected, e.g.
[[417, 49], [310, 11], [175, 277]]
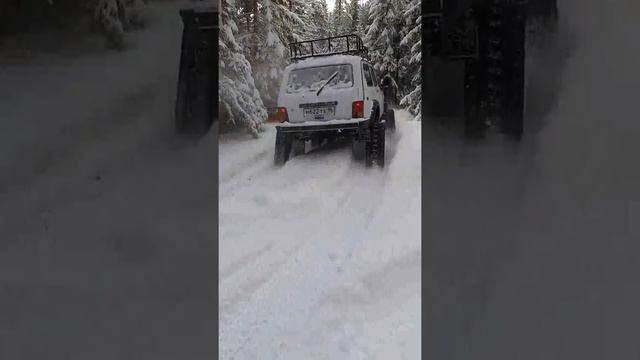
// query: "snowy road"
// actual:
[[320, 259]]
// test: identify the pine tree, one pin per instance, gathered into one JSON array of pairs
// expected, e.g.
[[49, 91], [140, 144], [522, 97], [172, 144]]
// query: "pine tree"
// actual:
[[364, 21], [339, 8], [354, 16], [316, 18], [383, 35], [237, 91], [274, 24], [326, 31], [412, 61], [340, 19]]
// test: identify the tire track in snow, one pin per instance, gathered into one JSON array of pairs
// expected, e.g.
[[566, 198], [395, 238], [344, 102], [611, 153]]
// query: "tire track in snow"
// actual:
[[346, 170], [280, 244], [245, 168], [284, 303], [368, 300]]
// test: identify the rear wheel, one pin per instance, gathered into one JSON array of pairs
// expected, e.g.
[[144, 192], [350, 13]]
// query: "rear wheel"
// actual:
[[378, 143], [368, 154]]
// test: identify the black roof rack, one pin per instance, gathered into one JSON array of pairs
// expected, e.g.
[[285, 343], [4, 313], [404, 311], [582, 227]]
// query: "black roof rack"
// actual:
[[334, 45]]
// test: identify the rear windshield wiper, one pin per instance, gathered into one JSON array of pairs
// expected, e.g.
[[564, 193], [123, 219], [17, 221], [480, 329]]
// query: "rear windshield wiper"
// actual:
[[326, 82]]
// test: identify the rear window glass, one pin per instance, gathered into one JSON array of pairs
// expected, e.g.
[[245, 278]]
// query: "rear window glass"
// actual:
[[311, 78], [367, 74]]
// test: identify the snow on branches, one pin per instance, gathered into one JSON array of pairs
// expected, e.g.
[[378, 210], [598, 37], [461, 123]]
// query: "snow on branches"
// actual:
[[237, 90], [412, 59], [256, 33]]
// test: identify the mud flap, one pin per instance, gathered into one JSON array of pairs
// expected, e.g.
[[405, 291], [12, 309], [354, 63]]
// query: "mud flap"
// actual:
[[358, 149], [282, 148]]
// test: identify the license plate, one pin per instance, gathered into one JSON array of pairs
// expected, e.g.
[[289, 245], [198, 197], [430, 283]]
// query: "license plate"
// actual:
[[319, 112]]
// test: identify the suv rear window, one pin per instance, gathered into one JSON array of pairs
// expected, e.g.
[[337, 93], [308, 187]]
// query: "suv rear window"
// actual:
[[367, 74], [311, 78]]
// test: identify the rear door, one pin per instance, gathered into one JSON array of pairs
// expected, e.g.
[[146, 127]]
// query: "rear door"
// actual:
[[320, 93]]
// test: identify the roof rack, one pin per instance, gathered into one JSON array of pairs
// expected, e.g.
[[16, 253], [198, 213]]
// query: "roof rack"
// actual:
[[334, 45]]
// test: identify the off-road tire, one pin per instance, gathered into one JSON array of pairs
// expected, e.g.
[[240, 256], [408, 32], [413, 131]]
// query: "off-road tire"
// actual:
[[282, 148], [378, 143], [368, 154], [372, 144], [504, 61], [515, 103]]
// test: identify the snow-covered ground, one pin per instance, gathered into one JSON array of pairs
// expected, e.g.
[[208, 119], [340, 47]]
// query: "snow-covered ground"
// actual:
[[320, 259]]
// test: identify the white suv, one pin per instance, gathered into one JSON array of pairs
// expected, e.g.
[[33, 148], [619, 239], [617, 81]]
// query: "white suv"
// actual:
[[326, 96]]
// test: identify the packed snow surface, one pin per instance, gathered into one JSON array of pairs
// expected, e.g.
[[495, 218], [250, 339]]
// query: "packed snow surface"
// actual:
[[320, 259]]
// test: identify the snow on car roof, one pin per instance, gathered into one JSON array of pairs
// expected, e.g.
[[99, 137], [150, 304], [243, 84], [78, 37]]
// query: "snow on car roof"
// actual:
[[325, 60]]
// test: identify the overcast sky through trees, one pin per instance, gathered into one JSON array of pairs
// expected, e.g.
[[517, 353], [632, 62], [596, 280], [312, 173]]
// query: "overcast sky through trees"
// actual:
[[332, 3]]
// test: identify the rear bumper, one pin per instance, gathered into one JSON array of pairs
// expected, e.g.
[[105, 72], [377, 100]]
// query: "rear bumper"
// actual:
[[331, 125]]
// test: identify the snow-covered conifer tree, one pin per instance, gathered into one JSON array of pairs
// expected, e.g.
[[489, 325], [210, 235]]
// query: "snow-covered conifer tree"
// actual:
[[412, 61], [276, 24], [364, 22], [316, 19], [340, 19], [383, 35], [237, 91], [353, 10]]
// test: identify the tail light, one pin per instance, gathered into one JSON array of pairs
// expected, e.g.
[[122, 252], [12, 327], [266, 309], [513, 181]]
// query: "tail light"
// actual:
[[357, 109], [282, 114]]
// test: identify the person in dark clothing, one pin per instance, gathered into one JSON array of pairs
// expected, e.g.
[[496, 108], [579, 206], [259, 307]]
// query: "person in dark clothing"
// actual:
[[389, 89]]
